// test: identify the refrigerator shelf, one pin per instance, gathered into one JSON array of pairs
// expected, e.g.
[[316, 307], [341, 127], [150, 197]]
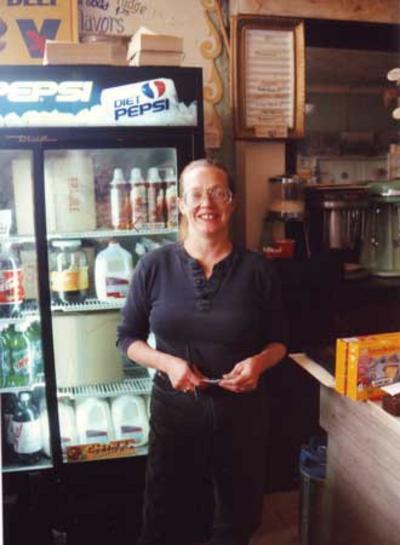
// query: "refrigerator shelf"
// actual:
[[98, 234], [128, 386], [89, 304], [18, 389], [112, 233], [34, 467]]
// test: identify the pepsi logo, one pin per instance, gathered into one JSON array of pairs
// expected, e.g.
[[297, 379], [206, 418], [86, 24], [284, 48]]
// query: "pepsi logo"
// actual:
[[153, 89]]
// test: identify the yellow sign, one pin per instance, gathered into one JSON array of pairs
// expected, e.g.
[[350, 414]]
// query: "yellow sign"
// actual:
[[25, 25]]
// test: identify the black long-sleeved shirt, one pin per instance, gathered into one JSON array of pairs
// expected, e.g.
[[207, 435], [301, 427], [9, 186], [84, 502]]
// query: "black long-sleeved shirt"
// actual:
[[223, 319]]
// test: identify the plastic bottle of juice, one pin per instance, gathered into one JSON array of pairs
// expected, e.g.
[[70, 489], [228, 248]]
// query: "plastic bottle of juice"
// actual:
[[138, 198], [120, 201], [112, 272], [27, 430]]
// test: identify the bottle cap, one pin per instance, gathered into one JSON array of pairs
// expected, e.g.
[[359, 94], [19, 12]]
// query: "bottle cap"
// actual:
[[25, 396], [118, 176], [170, 175], [67, 243], [136, 175], [153, 175]]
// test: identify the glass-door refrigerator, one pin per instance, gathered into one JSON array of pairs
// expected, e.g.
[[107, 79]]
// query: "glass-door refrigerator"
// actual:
[[89, 162]]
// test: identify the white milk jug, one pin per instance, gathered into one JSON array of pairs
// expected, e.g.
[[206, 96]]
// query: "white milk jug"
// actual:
[[112, 272], [130, 418], [93, 420]]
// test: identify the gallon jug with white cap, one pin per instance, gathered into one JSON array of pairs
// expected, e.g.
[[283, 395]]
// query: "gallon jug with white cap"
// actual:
[[68, 432], [112, 272], [93, 420], [129, 418]]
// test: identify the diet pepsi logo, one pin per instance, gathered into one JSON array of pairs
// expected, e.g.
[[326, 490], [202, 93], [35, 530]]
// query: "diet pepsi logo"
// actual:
[[154, 89]]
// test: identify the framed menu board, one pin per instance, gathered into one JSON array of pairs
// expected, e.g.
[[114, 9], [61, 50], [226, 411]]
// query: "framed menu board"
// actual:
[[268, 77]]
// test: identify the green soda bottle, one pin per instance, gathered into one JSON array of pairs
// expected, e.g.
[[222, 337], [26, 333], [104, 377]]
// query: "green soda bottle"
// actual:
[[35, 338], [5, 359], [21, 356]]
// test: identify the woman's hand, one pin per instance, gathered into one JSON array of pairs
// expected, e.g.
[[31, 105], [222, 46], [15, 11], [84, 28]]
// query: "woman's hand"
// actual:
[[181, 376], [243, 377]]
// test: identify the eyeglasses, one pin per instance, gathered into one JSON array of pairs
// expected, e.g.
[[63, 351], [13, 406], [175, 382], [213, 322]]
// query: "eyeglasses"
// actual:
[[219, 195]]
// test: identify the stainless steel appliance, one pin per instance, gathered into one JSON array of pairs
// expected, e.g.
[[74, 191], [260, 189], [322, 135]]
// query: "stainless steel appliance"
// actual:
[[381, 245], [335, 219]]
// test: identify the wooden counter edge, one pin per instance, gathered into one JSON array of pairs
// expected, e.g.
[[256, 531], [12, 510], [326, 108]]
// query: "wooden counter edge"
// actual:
[[312, 367]]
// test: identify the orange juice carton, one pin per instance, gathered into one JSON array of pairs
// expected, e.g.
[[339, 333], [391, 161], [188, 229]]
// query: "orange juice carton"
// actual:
[[367, 363]]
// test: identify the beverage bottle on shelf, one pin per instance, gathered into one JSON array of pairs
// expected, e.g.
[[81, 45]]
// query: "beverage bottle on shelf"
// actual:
[[69, 272], [9, 402], [11, 282], [21, 356], [27, 430], [171, 198], [156, 200], [34, 335], [120, 201], [8, 377], [138, 199], [5, 362], [112, 272]]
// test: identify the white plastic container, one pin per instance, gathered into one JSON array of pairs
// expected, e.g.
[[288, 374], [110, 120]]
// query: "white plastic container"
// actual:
[[129, 418], [68, 431], [70, 194], [113, 271], [44, 425], [93, 421], [75, 336]]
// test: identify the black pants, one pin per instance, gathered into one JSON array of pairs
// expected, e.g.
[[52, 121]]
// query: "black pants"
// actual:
[[206, 466]]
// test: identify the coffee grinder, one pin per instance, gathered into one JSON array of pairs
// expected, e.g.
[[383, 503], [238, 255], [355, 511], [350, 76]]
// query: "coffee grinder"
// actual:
[[283, 234]]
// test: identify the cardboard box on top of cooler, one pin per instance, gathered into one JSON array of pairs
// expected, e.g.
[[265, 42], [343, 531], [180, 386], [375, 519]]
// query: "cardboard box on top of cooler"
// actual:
[[25, 25], [366, 363]]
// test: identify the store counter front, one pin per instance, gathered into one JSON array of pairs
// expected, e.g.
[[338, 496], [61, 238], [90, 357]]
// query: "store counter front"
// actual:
[[362, 500]]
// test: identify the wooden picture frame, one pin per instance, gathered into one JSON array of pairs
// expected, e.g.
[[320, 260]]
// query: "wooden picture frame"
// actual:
[[267, 76]]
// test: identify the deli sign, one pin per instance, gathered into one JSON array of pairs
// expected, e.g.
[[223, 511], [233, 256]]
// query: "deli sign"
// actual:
[[25, 25]]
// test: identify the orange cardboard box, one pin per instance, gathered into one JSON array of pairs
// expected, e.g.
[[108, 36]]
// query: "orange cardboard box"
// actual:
[[364, 364]]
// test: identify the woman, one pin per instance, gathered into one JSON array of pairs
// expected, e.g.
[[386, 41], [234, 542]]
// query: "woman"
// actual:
[[216, 313]]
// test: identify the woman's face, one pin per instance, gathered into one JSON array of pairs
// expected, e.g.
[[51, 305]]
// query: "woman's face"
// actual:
[[206, 201]]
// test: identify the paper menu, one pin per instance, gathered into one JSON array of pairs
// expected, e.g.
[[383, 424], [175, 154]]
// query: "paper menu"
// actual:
[[270, 78]]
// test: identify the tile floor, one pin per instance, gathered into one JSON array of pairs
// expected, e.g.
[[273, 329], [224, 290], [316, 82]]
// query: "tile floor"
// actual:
[[280, 520]]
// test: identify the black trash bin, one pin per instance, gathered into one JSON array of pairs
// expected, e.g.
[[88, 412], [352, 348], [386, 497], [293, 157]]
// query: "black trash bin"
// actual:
[[312, 489]]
